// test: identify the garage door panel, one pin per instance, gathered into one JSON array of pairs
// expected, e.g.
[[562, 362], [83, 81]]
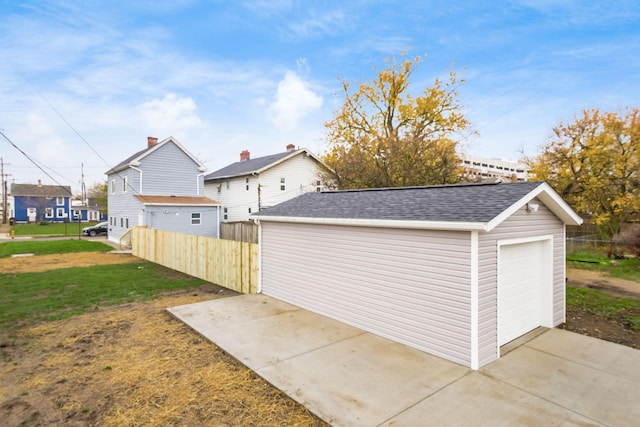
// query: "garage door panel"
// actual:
[[521, 280], [386, 282]]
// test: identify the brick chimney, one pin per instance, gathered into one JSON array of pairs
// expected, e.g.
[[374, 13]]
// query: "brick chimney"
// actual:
[[291, 147], [245, 155], [151, 141]]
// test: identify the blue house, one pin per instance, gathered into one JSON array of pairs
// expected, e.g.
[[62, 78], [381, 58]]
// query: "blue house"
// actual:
[[41, 203], [87, 211], [161, 187]]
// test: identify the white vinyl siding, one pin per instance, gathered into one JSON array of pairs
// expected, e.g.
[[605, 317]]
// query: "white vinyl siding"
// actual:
[[300, 174], [520, 225], [412, 286]]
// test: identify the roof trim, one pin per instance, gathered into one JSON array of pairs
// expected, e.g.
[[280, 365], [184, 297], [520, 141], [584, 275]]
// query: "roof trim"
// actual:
[[136, 160], [293, 154], [381, 223], [551, 200], [543, 192], [271, 165]]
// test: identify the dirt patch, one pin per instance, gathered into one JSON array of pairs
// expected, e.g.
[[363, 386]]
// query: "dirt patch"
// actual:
[[52, 262], [133, 365], [615, 329], [597, 280]]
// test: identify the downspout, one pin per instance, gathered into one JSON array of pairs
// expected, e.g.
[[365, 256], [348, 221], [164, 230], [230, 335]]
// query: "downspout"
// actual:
[[219, 213], [140, 171], [198, 184], [257, 175]]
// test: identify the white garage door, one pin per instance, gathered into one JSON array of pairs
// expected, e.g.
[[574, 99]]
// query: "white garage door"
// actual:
[[411, 286], [522, 280]]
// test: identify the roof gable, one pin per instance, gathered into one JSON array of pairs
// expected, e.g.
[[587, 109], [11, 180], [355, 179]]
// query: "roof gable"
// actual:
[[257, 165], [35, 190], [140, 155], [468, 206]]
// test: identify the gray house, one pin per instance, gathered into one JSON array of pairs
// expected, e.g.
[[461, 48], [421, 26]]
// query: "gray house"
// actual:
[[160, 187], [456, 271]]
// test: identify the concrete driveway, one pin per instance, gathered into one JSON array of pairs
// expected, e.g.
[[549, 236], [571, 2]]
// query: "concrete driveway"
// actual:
[[349, 377]]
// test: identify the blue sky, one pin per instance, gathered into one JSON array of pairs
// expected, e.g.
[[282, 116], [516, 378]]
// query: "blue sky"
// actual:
[[224, 76]]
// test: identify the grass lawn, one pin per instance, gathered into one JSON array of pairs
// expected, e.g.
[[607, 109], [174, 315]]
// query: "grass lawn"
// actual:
[[628, 269], [32, 297], [49, 229], [602, 304], [44, 247]]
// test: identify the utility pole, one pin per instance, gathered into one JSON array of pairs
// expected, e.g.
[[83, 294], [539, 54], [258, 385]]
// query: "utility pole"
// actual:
[[3, 180]]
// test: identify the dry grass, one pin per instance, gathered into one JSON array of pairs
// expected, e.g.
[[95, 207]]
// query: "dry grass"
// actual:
[[134, 365]]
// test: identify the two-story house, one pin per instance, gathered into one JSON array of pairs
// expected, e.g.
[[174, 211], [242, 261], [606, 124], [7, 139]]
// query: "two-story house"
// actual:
[[249, 185], [160, 187], [41, 203]]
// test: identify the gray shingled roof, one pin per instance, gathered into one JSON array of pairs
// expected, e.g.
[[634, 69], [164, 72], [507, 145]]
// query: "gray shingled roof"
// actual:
[[126, 162], [34, 190], [246, 167], [463, 203]]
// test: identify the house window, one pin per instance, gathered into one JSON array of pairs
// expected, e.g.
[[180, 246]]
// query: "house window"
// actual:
[[113, 186], [125, 183], [60, 201], [282, 184], [225, 213], [219, 188], [75, 213], [121, 223], [249, 210], [247, 182], [195, 218], [127, 222], [318, 186], [60, 213], [48, 212]]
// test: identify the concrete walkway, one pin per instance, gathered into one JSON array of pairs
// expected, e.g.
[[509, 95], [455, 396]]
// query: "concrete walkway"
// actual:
[[352, 378]]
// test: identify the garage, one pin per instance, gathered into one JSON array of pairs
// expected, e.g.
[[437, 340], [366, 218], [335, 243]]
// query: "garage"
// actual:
[[456, 271]]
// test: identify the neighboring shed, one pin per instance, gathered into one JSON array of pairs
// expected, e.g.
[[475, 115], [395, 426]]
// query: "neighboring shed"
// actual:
[[456, 271]]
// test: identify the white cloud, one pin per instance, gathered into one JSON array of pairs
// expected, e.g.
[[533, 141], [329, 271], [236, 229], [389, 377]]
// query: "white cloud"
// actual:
[[171, 115], [329, 23], [294, 100]]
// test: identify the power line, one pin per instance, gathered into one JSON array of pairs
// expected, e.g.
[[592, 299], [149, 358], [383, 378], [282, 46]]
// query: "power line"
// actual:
[[64, 119], [35, 163]]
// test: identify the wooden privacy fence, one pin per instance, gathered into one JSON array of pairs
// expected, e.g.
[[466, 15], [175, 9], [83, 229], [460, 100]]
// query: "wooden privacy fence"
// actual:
[[241, 231], [227, 263]]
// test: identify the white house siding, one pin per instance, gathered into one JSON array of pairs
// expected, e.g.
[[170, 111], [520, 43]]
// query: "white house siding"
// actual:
[[520, 225], [233, 195], [301, 174], [412, 286], [178, 219], [179, 179]]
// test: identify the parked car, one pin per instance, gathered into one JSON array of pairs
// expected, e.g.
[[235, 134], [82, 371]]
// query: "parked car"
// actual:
[[99, 228]]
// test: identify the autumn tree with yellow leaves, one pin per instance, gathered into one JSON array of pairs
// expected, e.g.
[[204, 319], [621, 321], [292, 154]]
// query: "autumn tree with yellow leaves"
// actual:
[[384, 137], [594, 163]]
